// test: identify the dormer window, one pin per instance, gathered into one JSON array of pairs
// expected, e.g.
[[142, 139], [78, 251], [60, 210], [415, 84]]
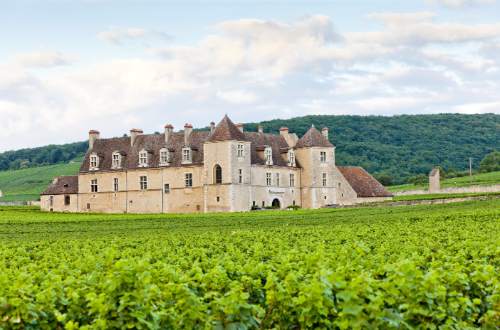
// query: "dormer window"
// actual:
[[116, 160], [241, 150], [94, 162], [164, 157], [268, 155], [187, 157], [143, 158], [291, 157]]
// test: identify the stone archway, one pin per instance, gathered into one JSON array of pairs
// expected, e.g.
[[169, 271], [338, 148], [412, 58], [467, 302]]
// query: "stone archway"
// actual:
[[276, 204]]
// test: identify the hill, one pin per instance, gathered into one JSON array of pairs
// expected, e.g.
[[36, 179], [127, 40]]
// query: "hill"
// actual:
[[394, 149], [401, 147], [27, 184]]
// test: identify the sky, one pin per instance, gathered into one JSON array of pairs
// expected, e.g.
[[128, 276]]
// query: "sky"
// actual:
[[70, 66]]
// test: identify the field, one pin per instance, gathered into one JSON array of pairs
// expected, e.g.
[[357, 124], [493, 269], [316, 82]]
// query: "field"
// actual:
[[391, 268], [477, 179], [27, 184]]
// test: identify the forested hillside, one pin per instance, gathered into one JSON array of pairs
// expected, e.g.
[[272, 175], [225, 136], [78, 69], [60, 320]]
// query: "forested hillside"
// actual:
[[393, 148], [401, 147]]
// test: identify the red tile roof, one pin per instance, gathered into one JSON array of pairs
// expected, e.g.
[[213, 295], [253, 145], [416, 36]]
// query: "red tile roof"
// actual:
[[62, 185], [313, 138], [226, 130], [363, 183]]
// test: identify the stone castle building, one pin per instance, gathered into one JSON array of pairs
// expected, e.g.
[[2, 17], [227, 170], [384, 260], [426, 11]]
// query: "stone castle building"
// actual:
[[224, 169]]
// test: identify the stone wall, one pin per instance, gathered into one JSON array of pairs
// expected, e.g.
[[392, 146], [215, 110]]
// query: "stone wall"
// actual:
[[452, 190]]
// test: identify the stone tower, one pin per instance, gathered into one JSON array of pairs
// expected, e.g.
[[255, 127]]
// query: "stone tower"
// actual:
[[226, 164], [434, 181], [316, 155]]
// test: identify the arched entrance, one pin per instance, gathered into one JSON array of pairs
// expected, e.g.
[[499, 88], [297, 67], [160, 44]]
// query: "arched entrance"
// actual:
[[276, 204]]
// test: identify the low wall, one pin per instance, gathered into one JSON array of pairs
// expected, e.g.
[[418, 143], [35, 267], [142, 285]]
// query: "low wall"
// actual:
[[452, 190]]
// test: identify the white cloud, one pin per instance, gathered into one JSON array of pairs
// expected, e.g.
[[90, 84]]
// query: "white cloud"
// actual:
[[119, 35], [461, 3], [237, 96], [256, 70], [43, 59]]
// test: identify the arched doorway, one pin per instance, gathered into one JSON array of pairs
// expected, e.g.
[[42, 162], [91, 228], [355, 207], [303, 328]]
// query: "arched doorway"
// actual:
[[276, 204]]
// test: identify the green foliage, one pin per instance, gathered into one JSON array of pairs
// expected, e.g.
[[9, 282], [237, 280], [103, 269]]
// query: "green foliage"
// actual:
[[403, 146], [48, 155], [491, 162], [388, 268], [27, 184], [393, 149]]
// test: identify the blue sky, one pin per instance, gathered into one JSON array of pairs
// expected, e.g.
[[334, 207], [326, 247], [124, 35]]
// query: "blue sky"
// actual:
[[69, 66]]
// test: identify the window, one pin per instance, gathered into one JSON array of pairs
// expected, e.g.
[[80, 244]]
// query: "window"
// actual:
[[116, 160], [115, 184], [291, 158], [322, 156], [268, 155], [186, 155], [292, 180], [218, 199], [164, 157], [67, 200], [268, 179], [277, 179], [240, 176], [263, 204], [188, 180], [324, 179], [93, 186], [293, 202], [240, 150], [143, 158], [217, 174], [88, 206], [143, 181], [51, 201], [166, 188], [94, 162]]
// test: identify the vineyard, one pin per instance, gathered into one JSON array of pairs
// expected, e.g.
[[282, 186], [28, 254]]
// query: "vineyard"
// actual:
[[391, 268]]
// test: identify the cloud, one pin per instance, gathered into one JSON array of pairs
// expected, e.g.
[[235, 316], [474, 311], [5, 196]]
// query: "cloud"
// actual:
[[120, 35], [461, 3], [43, 59], [237, 96], [257, 70]]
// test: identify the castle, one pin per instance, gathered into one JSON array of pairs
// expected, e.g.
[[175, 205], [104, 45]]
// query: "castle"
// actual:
[[222, 170]]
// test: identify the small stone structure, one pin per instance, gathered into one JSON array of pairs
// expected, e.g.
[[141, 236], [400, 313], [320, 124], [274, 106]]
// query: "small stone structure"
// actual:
[[434, 181]]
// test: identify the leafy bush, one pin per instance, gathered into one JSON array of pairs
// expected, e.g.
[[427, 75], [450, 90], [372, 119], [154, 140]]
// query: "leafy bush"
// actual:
[[490, 162], [388, 268]]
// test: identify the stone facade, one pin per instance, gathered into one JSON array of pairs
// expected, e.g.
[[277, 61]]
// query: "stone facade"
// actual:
[[224, 170]]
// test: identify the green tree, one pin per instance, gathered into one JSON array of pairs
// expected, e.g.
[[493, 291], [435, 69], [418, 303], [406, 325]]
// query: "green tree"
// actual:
[[490, 163]]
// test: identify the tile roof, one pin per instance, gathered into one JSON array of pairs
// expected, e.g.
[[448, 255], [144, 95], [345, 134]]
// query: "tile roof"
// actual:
[[362, 182], [226, 130], [62, 185], [258, 143], [152, 143], [313, 138]]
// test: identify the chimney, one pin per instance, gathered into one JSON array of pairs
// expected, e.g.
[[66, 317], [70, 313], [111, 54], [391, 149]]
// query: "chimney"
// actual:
[[93, 136], [212, 127], [169, 129], [260, 129], [240, 127], [284, 131], [134, 132], [188, 128], [324, 131]]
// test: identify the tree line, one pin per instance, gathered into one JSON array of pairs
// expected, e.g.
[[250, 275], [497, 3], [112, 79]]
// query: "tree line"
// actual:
[[395, 149]]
